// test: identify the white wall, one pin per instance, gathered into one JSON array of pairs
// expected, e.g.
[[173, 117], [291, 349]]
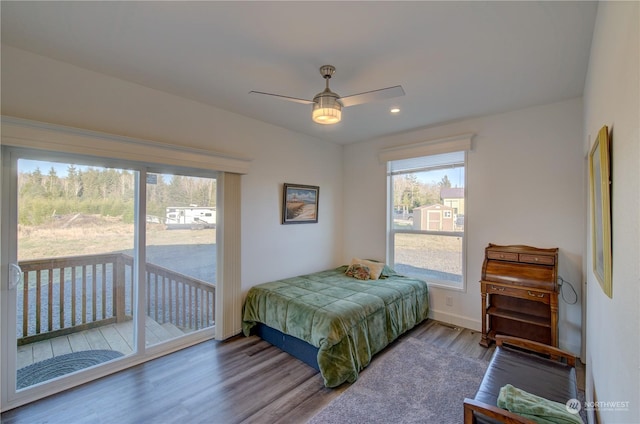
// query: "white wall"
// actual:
[[525, 186], [612, 98], [38, 88]]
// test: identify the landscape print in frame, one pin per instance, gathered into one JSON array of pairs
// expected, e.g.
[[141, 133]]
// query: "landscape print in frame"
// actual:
[[601, 210], [300, 204]]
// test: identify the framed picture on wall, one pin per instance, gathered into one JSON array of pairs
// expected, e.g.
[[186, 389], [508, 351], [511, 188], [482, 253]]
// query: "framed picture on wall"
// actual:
[[300, 204], [600, 184]]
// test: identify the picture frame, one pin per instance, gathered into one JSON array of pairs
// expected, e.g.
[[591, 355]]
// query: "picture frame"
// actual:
[[600, 185], [300, 204]]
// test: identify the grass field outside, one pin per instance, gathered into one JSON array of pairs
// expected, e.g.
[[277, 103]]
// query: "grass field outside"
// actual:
[[432, 257], [95, 234]]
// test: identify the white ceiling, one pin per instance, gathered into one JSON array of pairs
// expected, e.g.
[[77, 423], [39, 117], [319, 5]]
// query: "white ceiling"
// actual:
[[454, 59]]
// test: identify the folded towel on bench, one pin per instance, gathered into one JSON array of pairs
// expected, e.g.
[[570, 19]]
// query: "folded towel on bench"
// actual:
[[536, 408]]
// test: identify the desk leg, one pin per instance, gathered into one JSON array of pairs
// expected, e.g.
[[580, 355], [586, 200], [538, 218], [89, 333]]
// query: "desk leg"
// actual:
[[485, 340], [554, 319]]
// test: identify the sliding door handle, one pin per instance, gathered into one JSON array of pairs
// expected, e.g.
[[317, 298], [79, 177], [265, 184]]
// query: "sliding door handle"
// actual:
[[15, 276]]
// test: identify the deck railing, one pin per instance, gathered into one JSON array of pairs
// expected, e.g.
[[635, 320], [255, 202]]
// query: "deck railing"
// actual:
[[186, 302], [61, 296]]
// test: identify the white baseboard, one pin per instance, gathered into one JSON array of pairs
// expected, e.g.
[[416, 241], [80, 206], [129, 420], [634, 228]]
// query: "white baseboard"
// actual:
[[457, 320]]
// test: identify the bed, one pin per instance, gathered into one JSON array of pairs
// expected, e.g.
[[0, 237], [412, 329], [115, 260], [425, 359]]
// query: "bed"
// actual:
[[333, 321]]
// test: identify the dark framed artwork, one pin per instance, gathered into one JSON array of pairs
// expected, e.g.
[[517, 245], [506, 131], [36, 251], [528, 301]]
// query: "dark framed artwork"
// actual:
[[300, 204], [599, 182]]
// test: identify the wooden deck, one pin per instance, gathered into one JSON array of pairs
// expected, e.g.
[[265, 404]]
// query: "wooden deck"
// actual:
[[117, 337]]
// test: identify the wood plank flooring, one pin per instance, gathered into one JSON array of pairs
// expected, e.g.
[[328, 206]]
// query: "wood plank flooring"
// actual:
[[117, 337], [241, 380]]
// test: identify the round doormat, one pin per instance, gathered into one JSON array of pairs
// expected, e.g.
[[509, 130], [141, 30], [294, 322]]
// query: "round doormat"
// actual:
[[61, 365]]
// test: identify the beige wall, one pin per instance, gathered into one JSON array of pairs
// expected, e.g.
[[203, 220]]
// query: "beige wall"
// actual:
[[524, 186], [612, 98]]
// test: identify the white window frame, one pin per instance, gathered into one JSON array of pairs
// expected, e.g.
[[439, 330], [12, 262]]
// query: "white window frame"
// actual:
[[428, 148]]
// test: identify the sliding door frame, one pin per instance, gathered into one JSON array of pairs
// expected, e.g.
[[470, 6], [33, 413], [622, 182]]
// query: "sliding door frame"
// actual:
[[46, 141]]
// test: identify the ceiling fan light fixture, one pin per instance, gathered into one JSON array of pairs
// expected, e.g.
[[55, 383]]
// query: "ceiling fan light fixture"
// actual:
[[327, 105], [327, 108]]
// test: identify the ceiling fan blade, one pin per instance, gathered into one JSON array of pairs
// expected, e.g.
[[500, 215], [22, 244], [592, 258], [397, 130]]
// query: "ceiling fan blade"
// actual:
[[372, 96], [291, 99]]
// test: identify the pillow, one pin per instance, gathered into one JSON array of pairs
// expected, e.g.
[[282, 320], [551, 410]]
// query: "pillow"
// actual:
[[375, 268], [358, 271]]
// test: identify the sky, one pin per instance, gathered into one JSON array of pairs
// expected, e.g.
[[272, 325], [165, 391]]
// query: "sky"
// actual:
[[28, 166], [456, 176]]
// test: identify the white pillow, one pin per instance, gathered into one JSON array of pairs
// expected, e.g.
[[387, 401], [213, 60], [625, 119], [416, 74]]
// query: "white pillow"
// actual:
[[375, 268]]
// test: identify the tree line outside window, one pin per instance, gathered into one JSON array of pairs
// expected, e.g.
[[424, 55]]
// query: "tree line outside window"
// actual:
[[104, 191]]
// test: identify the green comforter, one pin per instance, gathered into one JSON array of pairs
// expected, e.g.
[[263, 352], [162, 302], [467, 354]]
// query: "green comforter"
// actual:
[[348, 320]]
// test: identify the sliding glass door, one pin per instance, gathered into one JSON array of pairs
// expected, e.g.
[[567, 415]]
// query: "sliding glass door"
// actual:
[[106, 265], [75, 226]]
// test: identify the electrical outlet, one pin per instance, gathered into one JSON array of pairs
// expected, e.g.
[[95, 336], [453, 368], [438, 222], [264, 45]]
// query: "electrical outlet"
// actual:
[[449, 301]]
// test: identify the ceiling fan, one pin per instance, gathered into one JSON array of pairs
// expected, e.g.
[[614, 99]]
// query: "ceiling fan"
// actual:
[[327, 105]]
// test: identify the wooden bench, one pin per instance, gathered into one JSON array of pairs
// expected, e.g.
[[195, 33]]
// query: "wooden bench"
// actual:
[[534, 367]]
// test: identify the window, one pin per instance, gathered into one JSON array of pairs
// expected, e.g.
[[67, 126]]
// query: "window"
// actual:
[[427, 209]]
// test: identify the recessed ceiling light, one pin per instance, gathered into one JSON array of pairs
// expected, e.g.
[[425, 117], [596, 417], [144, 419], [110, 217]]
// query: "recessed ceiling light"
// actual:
[[395, 110]]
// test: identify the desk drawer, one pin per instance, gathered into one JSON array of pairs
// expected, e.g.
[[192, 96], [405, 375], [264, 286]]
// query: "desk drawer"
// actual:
[[536, 259], [523, 293], [502, 256]]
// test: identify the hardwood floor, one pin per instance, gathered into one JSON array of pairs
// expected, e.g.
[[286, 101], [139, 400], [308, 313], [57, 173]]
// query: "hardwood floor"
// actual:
[[240, 380]]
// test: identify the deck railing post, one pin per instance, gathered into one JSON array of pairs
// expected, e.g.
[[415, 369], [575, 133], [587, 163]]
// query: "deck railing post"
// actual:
[[119, 288]]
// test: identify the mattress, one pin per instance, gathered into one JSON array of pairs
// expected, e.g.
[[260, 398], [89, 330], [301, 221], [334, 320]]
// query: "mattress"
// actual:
[[347, 319]]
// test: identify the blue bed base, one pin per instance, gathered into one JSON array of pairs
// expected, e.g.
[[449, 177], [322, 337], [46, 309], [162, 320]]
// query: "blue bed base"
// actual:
[[292, 345]]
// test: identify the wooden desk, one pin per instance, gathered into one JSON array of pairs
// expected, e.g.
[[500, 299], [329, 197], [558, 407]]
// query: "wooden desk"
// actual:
[[519, 289]]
